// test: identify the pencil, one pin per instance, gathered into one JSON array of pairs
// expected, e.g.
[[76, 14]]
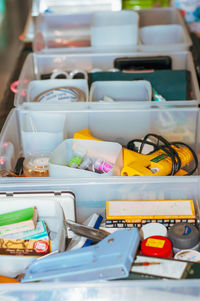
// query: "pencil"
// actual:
[[145, 263]]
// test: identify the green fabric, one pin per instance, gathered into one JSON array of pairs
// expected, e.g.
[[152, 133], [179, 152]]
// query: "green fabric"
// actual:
[[171, 84]]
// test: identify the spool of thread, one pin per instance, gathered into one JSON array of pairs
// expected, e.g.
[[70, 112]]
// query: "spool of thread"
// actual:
[[157, 246], [188, 255], [36, 166], [184, 236], [70, 94], [152, 229]]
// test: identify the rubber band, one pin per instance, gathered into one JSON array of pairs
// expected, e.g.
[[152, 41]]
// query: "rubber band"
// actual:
[[14, 88]]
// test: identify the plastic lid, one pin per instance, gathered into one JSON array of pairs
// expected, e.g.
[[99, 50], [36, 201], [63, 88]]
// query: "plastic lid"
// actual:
[[152, 229], [158, 246], [184, 236]]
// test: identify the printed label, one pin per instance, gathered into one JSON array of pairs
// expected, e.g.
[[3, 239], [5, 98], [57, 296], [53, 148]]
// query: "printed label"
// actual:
[[187, 230], [41, 246], [159, 158], [155, 243]]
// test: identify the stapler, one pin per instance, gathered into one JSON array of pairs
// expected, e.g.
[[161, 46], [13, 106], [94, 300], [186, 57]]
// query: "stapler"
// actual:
[[111, 258]]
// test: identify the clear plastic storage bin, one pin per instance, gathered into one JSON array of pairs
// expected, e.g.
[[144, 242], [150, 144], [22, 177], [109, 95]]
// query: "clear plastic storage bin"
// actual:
[[72, 32], [175, 124], [38, 64], [72, 6], [90, 198]]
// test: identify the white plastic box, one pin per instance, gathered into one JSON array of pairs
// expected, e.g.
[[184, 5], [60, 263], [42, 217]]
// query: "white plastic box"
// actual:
[[58, 33], [175, 124], [90, 198], [49, 210], [38, 64]]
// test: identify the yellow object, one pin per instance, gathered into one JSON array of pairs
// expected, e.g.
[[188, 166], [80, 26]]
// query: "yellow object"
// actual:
[[85, 134], [156, 164], [4, 279], [133, 211]]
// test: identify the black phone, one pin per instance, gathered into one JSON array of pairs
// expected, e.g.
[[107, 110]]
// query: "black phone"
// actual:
[[143, 63]]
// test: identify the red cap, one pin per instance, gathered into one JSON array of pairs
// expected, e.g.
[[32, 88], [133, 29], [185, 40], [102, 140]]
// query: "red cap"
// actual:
[[158, 246]]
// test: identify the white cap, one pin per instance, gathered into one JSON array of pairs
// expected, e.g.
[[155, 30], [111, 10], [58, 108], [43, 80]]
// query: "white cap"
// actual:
[[152, 229]]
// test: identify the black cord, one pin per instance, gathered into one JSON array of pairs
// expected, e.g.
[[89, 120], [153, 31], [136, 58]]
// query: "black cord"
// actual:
[[193, 153], [162, 144]]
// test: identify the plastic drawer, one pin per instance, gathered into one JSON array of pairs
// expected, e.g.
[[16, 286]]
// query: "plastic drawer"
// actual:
[[52, 31], [90, 197], [38, 64], [175, 124]]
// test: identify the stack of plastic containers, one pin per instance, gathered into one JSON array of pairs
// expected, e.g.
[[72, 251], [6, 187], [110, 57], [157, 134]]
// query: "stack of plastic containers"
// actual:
[[86, 44]]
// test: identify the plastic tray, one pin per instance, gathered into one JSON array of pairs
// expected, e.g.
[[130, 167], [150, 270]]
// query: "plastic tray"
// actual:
[[91, 197], [53, 32], [38, 64], [36, 130]]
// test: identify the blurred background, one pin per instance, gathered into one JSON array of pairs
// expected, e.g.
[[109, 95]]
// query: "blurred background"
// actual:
[[13, 16], [16, 32]]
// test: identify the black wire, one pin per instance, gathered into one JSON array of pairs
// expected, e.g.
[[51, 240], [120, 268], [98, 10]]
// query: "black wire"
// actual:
[[177, 164], [165, 146], [193, 153], [131, 144]]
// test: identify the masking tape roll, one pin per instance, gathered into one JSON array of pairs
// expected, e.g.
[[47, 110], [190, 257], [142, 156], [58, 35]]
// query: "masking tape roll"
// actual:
[[69, 94]]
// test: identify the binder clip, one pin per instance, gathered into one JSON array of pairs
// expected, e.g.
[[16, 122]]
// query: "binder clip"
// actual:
[[109, 259]]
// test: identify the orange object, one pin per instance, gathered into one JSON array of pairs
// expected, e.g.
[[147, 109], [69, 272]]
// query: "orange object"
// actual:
[[4, 279]]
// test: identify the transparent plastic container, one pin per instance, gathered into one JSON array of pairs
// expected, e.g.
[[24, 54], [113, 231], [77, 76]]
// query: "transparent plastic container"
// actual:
[[38, 64], [49, 211], [66, 151], [70, 33], [72, 6], [90, 198], [121, 126]]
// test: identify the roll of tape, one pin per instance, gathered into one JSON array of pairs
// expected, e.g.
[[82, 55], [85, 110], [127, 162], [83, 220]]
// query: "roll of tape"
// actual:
[[188, 255], [36, 166], [61, 94], [59, 73], [152, 229]]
